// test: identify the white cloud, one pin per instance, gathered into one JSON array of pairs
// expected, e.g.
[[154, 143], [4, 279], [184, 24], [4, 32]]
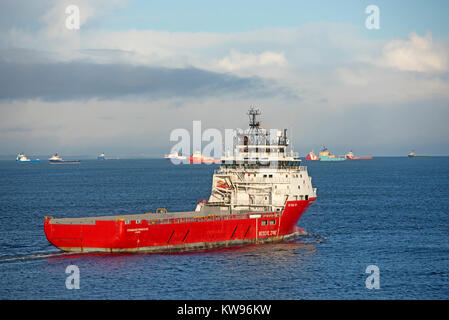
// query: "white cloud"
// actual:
[[237, 60], [381, 86], [419, 54], [321, 63]]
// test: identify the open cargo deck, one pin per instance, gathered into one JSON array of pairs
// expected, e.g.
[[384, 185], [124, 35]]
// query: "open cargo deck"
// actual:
[[153, 218]]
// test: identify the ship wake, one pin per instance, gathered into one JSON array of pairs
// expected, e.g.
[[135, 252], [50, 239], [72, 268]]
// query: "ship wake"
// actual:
[[34, 256]]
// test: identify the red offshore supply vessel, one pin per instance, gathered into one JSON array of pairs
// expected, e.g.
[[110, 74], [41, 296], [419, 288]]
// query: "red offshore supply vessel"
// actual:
[[258, 195]]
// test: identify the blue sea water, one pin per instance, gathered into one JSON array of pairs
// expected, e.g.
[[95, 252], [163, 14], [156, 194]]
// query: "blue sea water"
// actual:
[[388, 212]]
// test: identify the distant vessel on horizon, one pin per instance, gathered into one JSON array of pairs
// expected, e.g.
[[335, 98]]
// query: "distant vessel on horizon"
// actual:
[[350, 156], [58, 160], [175, 155], [312, 156], [197, 157], [325, 155], [412, 154], [101, 157], [21, 157]]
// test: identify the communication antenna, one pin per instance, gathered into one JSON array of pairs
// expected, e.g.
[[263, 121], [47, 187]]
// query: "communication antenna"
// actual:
[[253, 113]]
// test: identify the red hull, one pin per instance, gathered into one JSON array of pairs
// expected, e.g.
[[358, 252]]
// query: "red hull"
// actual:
[[203, 160], [179, 234], [312, 156]]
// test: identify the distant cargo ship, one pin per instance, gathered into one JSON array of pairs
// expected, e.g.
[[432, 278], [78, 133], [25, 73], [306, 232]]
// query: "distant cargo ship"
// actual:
[[101, 157], [58, 160], [350, 156], [413, 155], [325, 155], [22, 158]]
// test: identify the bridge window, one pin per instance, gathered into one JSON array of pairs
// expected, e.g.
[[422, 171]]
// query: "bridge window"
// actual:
[[272, 222], [264, 222]]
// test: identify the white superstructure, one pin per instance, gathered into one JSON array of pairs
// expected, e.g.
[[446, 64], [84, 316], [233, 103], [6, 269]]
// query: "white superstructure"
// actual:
[[261, 174], [22, 158], [55, 157]]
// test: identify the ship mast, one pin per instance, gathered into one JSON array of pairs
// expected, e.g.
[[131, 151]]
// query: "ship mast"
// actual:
[[255, 135], [253, 122]]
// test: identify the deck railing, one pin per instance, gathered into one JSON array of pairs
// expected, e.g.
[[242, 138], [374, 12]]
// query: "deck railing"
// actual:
[[249, 168], [211, 217]]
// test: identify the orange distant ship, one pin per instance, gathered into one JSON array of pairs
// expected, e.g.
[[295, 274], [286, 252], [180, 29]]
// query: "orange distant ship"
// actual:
[[197, 157]]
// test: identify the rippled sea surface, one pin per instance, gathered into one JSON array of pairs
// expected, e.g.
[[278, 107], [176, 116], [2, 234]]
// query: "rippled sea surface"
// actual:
[[388, 212]]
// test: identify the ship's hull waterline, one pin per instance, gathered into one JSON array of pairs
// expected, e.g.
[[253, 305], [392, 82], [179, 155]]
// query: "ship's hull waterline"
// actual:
[[176, 232], [64, 162]]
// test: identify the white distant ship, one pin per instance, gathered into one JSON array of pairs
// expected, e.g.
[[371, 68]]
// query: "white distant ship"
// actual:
[[175, 155], [57, 159], [412, 154], [23, 158]]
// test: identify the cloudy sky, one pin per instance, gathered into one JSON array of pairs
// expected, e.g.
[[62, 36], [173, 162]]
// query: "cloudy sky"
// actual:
[[136, 70]]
